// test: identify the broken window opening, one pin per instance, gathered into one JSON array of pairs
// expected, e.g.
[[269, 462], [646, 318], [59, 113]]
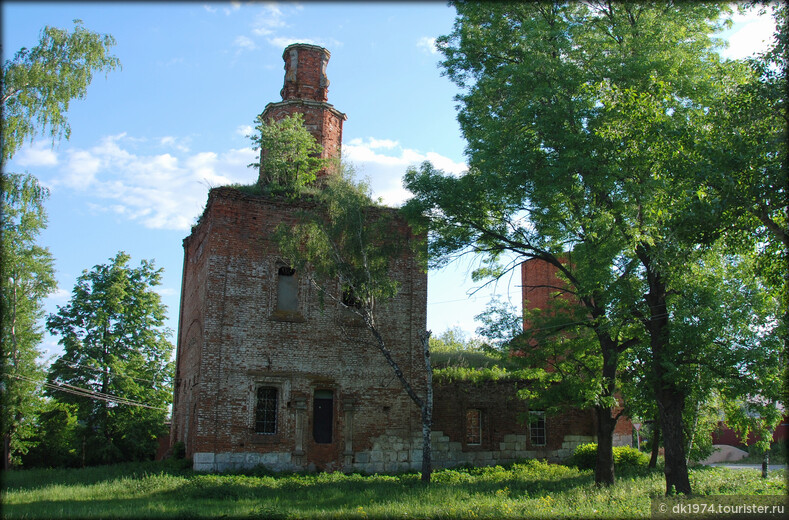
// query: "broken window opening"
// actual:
[[266, 410], [323, 416], [474, 426], [287, 289], [537, 427], [349, 298]]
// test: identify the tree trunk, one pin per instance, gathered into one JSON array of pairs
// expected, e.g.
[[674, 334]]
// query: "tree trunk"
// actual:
[[670, 397], [604, 468], [427, 453], [765, 463], [426, 405], [655, 443], [427, 412], [6, 451], [671, 403]]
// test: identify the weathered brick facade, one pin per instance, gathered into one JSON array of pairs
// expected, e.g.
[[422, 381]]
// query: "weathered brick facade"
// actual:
[[268, 373], [233, 340]]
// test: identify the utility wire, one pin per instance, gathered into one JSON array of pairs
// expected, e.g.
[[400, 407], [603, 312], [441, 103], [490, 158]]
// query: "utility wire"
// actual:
[[100, 370], [84, 392]]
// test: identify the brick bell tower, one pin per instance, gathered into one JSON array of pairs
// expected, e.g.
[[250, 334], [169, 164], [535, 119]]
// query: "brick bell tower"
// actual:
[[306, 92]]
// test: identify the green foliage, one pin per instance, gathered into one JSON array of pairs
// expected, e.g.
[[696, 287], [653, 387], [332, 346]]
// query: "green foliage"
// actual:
[[60, 438], [585, 456], [179, 450], [450, 374], [452, 348], [39, 83], [348, 245], [629, 456], [347, 237], [27, 278], [597, 136], [290, 158], [749, 182], [116, 366], [454, 340]]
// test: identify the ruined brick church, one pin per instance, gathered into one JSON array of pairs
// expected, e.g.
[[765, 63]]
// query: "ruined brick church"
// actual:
[[266, 374]]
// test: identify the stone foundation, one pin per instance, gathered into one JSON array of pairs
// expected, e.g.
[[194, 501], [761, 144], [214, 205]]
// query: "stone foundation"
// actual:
[[393, 454]]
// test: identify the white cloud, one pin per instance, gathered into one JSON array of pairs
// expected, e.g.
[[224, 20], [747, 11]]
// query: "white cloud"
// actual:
[[752, 34], [176, 143], [284, 41], [131, 179], [269, 23], [385, 170], [60, 296], [382, 143], [244, 130], [38, 154], [209, 8], [245, 43], [234, 6], [427, 44], [159, 190], [268, 19], [81, 169]]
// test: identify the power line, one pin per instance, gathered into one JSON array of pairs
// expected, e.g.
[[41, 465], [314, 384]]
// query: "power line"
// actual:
[[90, 394], [101, 371]]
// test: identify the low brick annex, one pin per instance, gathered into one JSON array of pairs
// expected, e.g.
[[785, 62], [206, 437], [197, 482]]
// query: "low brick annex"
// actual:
[[268, 373]]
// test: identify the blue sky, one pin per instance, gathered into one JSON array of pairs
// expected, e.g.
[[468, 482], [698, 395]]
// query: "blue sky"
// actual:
[[148, 141]]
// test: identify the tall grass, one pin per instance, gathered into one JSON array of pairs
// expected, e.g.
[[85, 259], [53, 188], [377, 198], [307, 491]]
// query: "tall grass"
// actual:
[[530, 490]]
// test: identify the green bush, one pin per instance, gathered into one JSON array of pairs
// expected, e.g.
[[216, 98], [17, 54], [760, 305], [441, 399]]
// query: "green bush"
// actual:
[[179, 450], [585, 456], [627, 456]]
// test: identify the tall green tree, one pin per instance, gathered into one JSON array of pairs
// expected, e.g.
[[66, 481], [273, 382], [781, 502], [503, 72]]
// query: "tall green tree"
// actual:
[[290, 156], [39, 83], [27, 278], [37, 87], [749, 183], [751, 186], [349, 238], [583, 121], [115, 365]]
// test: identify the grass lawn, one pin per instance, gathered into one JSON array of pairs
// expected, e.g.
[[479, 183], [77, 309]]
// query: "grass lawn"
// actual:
[[530, 490]]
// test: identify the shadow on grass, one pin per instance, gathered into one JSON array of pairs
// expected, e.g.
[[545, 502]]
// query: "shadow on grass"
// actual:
[[31, 479], [300, 495]]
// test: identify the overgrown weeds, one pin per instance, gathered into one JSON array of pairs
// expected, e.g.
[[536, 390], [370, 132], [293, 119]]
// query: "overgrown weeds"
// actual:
[[531, 489]]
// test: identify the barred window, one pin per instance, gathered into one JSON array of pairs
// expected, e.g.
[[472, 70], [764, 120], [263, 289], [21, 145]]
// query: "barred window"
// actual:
[[473, 426], [537, 427], [266, 410]]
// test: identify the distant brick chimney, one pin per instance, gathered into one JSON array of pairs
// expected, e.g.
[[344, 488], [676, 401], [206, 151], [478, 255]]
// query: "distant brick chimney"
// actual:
[[306, 92]]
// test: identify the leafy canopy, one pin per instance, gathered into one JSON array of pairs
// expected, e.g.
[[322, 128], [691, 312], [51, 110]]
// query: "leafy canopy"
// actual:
[[290, 156], [39, 83], [28, 277], [116, 354], [347, 237]]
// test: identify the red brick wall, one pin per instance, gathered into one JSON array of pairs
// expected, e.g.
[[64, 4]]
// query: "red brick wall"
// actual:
[[305, 72], [230, 341], [503, 414], [539, 283]]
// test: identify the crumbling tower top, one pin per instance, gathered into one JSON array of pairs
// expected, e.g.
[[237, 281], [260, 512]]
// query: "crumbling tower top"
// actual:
[[305, 91], [305, 72]]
